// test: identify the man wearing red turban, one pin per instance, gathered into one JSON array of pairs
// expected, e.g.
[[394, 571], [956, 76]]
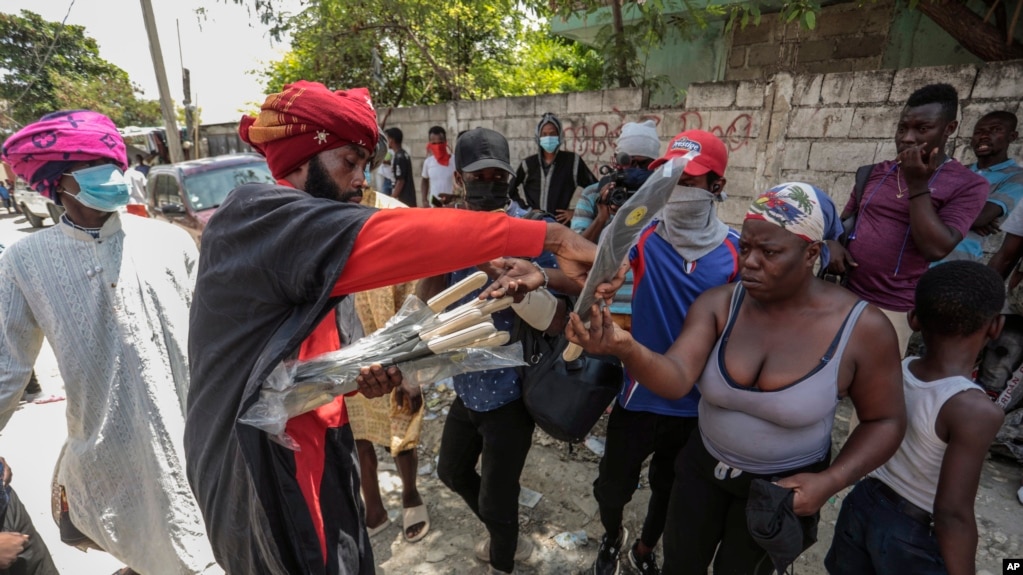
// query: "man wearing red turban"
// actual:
[[276, 261]]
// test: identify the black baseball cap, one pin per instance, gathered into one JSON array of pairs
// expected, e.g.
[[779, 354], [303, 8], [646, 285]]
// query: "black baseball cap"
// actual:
[[481, 148]]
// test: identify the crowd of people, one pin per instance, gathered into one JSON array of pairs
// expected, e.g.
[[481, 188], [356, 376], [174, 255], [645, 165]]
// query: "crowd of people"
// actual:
[[736, 346]]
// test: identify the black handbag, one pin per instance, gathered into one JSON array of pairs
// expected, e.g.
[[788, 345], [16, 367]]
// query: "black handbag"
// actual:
[[565, 398]]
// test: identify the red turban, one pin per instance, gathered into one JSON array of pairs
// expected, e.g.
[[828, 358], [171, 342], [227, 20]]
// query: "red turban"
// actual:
[[306, 119]]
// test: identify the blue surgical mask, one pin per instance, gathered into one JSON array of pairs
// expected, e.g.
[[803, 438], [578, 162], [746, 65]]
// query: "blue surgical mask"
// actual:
[[550, 143], [102, 188]]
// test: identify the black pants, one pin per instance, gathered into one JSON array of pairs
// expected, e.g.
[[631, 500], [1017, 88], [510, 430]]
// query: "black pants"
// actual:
[[632, 436], [706, 512], [502, 438], [35, 559]]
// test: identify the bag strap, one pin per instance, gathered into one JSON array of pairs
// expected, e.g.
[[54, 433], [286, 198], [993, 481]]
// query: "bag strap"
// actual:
[[862, 175]]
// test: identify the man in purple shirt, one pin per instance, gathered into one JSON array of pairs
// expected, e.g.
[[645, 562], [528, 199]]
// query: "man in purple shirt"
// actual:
[[913, 210]]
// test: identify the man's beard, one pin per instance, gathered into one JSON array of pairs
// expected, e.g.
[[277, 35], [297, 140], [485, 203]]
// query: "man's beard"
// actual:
[[318, 183]]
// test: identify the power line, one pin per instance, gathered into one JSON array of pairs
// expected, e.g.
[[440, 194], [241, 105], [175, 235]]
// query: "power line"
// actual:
[[46, 58]]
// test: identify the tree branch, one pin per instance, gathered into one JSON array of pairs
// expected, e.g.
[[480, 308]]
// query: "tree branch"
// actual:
[[981, 39]]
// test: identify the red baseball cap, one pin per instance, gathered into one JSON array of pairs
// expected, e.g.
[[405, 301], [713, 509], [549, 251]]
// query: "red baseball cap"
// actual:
[[713, 155]]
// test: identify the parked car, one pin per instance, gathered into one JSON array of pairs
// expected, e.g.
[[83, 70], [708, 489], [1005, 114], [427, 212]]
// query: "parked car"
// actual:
[[188, 193], [36, 207]]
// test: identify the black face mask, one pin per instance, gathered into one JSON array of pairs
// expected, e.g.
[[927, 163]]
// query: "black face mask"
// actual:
[[486, 196], [636, 177]]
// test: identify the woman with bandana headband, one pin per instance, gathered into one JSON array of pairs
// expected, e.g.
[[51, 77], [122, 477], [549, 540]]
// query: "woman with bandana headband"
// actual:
[[549, 179], [772, 355]]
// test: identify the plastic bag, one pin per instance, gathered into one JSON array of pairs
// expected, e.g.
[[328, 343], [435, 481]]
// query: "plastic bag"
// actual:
[[297, 387]]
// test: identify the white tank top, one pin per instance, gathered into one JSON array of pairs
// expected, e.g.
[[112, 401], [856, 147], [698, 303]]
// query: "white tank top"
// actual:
[[914, 469]]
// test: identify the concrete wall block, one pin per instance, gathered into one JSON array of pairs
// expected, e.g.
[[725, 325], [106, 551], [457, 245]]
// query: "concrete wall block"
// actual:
[[468, 110], [670, 124], [585, 102], [842, 189], [871, 86], [761, 55], [395, 115], [860, 47], [750, 94], [623, 100], [885, 150], [478, 123], [737, 57], [553, 103], [835, 88], [752, 34], [908, 80], [524, 106], [796, 155], [733, 74], [496, 108], [742, 156], [875, 122], [516, 128], [816, 51], [999, 80], [711, 95], [841, 156], [806, 90], [437, 113], [820, 122], [741, 190], [734, 126], [419, 114]]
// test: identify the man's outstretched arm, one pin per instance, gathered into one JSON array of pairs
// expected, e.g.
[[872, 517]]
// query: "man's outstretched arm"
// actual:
[[396, 246]]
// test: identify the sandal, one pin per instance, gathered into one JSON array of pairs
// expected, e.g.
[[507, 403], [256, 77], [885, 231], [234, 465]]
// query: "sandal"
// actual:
[[374, 531], [50, 398], [412, 516]]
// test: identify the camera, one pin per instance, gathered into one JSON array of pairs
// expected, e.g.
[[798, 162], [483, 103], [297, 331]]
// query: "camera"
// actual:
[[620, 192]]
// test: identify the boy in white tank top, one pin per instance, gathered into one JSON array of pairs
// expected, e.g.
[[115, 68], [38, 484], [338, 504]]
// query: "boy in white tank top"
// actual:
[[914, 514]]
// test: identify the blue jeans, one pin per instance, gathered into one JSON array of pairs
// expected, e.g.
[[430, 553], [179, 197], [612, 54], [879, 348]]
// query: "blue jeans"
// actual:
[[873, 537]]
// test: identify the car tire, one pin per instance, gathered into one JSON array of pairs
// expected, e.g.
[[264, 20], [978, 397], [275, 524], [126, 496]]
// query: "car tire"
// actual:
[[33, 220], [55, 212]]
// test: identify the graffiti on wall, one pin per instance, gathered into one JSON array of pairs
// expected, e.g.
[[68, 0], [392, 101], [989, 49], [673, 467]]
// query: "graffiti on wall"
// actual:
[[595, 142]]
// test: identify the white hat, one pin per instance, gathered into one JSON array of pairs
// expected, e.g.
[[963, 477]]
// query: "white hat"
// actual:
[[640, 139]]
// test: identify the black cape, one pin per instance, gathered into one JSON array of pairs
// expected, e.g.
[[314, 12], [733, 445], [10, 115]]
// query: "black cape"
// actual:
[[270, 258]]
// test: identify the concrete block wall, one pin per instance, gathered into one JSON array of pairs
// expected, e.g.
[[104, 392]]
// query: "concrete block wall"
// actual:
[[849, 37], [816, 128]]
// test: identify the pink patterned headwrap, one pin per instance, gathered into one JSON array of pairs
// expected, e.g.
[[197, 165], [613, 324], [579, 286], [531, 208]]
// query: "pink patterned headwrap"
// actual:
[[40, 152]]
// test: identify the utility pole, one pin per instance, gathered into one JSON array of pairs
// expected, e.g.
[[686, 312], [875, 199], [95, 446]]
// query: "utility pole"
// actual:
[[166, 103]]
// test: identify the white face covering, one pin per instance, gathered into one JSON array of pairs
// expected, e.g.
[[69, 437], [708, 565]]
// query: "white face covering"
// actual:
[[689, 222]]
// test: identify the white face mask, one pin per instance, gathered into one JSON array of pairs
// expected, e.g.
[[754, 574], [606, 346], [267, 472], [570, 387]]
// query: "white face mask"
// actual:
[[690, 224]]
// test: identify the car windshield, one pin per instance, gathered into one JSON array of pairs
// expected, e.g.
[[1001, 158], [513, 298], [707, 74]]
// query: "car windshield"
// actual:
[[207, 189]]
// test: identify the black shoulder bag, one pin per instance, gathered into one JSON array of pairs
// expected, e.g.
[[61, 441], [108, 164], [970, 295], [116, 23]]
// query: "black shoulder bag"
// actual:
[[565, 398]]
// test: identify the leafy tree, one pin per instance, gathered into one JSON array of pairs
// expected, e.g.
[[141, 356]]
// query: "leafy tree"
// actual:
[[410, 52], [48, 66]]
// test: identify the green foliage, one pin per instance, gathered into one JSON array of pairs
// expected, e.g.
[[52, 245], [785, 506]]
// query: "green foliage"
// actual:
[[410, 52], [45, 67]]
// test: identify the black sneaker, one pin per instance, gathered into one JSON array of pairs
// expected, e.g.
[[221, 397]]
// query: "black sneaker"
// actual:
[[608, 556], [648, 566]]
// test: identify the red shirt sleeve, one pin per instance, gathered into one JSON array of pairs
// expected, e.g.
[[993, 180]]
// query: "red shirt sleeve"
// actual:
[[396, 246]]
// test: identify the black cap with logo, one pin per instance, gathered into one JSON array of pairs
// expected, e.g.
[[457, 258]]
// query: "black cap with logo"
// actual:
[[482, 148]]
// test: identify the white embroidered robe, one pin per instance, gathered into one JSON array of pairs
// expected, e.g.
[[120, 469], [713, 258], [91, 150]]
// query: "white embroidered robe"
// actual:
[[115, 311]]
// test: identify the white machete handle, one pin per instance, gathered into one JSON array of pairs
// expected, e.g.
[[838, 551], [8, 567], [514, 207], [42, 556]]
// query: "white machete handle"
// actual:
[[441, 301]]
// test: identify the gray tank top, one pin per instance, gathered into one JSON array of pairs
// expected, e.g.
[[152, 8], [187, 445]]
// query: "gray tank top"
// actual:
[[769, 432]]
